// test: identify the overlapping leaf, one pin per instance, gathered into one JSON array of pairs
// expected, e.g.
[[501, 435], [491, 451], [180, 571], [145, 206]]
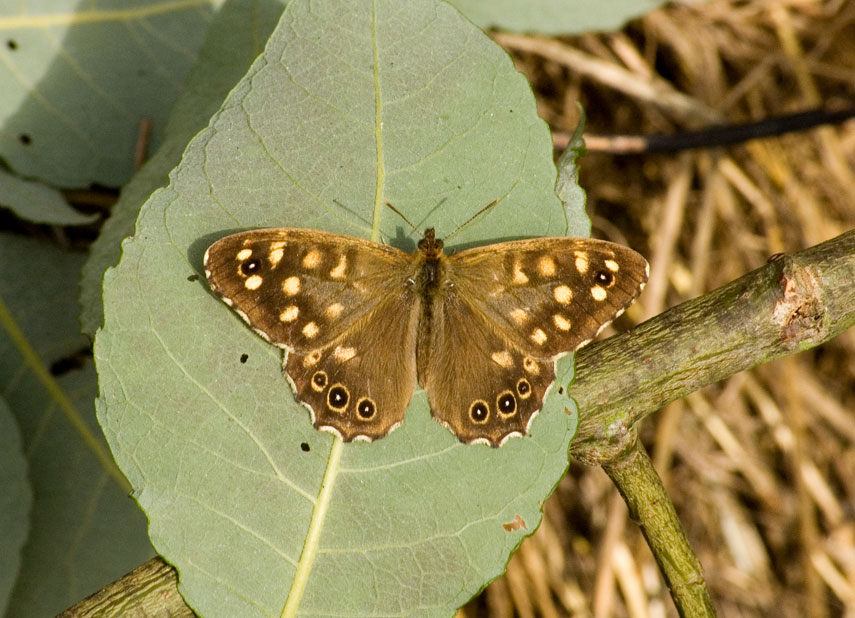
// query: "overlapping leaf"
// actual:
[[78, 79]]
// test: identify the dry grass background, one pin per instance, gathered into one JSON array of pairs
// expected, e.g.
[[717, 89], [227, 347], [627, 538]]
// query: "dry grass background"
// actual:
[[761, 467]]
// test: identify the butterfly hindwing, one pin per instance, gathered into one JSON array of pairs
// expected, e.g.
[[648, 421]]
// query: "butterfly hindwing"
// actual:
[[359, 386], [483, 388]]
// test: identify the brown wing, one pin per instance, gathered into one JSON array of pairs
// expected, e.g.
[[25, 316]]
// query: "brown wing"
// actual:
[[359, 386], [479, 385], [301, 289], [512, 310], [549, 296], [343, 308]]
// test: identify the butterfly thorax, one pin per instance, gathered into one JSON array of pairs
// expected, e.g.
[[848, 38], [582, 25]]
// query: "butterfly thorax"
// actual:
[[432, 260], [431, 246]]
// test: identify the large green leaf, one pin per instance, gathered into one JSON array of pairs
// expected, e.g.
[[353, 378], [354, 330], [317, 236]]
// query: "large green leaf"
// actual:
[[84, 530], [79, 77], [554, 16], [235, 37], [351, 103]]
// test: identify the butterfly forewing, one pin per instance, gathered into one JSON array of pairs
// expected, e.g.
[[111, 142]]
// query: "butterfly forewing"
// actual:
[[302, 289], [335, 303], [549, 296]]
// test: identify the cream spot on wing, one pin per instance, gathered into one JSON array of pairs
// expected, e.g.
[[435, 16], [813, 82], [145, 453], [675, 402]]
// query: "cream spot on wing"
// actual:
[[530, 365], [244, 254], [612, 265], [503, 359], [290, 314], [546, 266], [276, 256], [343, 353], [598, 293], [561, 323], [538, 336], [310, 330], [312, 358], [334, 310], [340, 268], [563, 294], [581, 262], [253, 283], [312, 259], [519, 316], [291, 286], [520, 277]]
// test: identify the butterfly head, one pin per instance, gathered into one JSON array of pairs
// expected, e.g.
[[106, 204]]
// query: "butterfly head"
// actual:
[[430, 245]]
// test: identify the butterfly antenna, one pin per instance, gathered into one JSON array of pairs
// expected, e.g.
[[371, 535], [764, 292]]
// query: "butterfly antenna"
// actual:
[[400, 214], [468, 221]]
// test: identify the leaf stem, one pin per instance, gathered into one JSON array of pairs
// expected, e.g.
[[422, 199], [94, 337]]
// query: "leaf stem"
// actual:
[[313, 537]]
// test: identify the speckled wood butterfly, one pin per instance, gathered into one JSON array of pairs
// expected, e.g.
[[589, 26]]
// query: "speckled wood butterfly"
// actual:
[[480, 329]]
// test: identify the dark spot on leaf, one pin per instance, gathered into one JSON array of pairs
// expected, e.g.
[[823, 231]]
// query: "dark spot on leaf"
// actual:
[[12, 44], [244, 358], [193, 278], [25, 139], [305, 447]]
